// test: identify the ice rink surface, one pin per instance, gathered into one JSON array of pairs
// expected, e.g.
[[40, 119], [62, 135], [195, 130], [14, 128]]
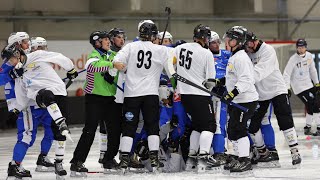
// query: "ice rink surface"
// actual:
[[310, 167]]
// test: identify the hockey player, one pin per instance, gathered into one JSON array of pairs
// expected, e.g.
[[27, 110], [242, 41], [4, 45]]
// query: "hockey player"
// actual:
[[221, 58], [301, 74], [117, 40], [167, 40], [271, 88], [100, 91], [144, 63], [194, 62], [241, 89]]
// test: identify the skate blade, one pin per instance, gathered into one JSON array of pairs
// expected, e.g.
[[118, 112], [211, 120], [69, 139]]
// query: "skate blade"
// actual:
[[110, 171], [137, 170], [296, 166], [124, 171], [156, 170], [213, 170], [77, 174], [248, 173], [201, 169], [15, 178], [44, 169], [60, 177], [271, 164]]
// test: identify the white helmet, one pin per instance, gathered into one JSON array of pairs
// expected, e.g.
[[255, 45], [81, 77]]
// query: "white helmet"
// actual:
[[17, 37], [144, 21], [215, 37], [167, 35], [38, 41]]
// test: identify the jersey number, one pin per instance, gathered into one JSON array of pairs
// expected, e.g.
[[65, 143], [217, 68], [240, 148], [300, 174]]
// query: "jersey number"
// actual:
[[185, 58], [141, 56]]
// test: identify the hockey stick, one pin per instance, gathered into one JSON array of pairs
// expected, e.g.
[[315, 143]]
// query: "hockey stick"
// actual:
[[186, 81], [168, 10]]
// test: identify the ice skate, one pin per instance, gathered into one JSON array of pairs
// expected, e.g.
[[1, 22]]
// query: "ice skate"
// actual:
[[101, 157], [267, 160], [296, 158], [44, 164], [317, 133], [221, 158], [205, 163], [155, 163], [18, 172], [242, 168], [78, 170], [110, 167], [135, 165], [254, 155], [231, 161], [59, 171], [307, 130], [191, 163], [124, 163]]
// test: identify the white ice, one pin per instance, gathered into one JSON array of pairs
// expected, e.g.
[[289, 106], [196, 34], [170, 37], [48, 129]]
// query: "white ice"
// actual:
[[310, 167]]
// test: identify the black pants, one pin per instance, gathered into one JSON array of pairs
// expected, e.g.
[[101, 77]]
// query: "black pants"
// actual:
[[237, 124], [63, 106], [200, 109], [99, 108], [149, 105], [308, 97], [282, 110]]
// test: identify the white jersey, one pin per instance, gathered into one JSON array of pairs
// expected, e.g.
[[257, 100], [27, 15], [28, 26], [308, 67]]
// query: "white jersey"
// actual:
[[269, 81], [144, 64], [301, 73], [21, 97], [240, 74], [39, 73], [196, 64]]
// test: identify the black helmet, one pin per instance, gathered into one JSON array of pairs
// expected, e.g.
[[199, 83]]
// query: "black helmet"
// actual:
[[238, 33], [251, 36], [202, 31], [301, 42], [97, 35], [11, 51], [116, 31], [148, 30]]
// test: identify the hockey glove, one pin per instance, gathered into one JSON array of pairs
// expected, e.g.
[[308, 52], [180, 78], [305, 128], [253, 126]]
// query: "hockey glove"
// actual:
[[72, 74], [317, 88], [142, 149], [221, 82], [209, 83], [289, 93], [16, 73], [13, 115], [107, 77], [228, 97]]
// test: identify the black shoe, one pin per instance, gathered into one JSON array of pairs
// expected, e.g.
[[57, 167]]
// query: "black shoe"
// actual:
[[307, 130], [17, 171], [111, 164], [232, 160], [243, 164]]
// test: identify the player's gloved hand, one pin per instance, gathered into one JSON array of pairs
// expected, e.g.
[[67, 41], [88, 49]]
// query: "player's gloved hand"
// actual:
[[228, 96], [107, 77], [13, 115], [317, 88], [72, 74], [289, 93], [209, 83], [221, 81], [16, 73]]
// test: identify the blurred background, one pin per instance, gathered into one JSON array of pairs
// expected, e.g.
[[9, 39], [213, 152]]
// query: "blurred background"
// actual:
[[67, 25]]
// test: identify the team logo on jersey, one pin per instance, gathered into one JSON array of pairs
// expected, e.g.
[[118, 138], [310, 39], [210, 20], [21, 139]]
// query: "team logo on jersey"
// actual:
[[1, 69], [31, 65], [129, 116]]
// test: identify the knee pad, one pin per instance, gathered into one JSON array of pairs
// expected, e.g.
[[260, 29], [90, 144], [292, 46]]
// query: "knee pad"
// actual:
[[45, 98]]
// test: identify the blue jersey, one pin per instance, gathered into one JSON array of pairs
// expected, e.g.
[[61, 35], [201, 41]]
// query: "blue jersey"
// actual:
[[6, 80], [221, 62]]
